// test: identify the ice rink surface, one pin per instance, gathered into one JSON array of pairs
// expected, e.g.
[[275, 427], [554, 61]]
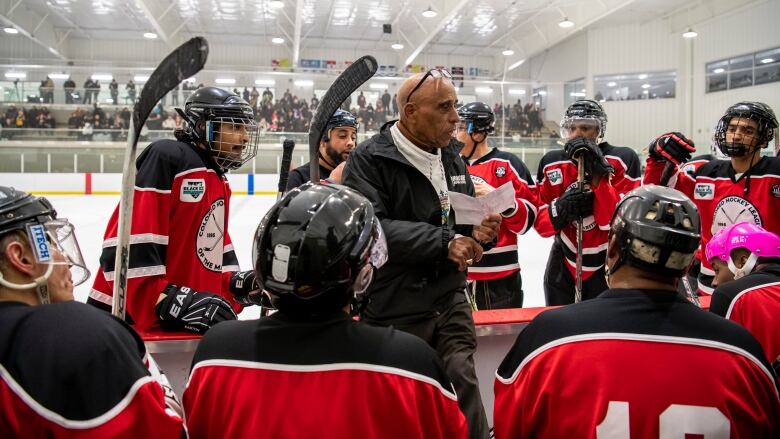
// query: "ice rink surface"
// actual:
[[90, 213]]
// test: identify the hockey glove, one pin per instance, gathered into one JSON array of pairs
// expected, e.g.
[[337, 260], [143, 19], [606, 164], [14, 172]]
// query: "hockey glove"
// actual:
[[246, 290], [185, 308], [571, 206], [595, 162], [671, 147]]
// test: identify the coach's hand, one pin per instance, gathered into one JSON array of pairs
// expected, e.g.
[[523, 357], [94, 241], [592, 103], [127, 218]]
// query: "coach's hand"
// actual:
[[464, 251]]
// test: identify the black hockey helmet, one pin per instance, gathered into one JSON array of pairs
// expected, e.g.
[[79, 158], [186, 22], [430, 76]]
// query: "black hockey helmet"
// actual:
[[656, 229], [35, 216], [584, 110], [759, 112], [212, 111], [17, 209], [341, 118], [478, 116], [317, 247]]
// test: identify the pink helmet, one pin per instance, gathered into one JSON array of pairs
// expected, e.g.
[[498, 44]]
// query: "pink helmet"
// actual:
[[749, 236]]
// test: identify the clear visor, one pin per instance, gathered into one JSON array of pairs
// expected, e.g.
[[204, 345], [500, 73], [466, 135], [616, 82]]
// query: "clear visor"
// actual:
[[233, 140], [54, 242], [573, 127]]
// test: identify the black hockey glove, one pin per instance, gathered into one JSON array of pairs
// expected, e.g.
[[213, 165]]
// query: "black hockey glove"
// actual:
[[246, 290], [185, 308], [595, 162], [671, 147], [570, 206]]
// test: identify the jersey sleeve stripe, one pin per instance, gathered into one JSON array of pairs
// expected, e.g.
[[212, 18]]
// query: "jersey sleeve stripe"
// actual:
[[142, 238], [100, 297], [141, 255], [448, 393], [60, 420], [652, 338], [742, 293], [134, 273], [152, 189]]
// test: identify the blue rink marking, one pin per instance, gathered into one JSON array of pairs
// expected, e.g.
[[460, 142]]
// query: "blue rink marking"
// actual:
[[250, 184]]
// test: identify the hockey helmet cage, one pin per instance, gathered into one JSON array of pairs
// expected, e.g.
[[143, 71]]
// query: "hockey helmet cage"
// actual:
[[759, 112]]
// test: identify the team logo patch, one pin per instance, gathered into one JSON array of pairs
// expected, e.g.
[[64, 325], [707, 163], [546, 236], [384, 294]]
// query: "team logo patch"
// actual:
[[704, 191], [500, 171], [209, 243], [776, 191], [192, 190], [555, 176], [733, 210], [458, 179]]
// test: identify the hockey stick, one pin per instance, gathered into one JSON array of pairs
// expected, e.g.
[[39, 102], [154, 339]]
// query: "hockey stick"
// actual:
[[287, 150], [580, 185], [669, 168], [348, 81], [179, 65]]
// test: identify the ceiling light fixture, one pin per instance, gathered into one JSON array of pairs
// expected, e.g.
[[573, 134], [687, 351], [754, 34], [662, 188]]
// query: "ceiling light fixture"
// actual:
[[276, 4], [429, 13], [566, 23], [225, 81], [508, 52], [102, 77], [150, 35], [611, 84], [483, 90], [15, 75], [719, 70], [645, 85], [516, 91], [397, 46], [266, 82], [304, 83], [690, 33], [11, 30], [59, 75], [277, 40], [642, 76], [767, 60]]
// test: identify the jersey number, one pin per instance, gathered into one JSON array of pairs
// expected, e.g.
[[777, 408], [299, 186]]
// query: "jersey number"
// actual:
[[675, 422]]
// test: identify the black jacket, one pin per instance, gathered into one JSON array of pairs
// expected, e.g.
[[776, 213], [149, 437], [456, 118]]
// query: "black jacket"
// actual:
[[418, 281]]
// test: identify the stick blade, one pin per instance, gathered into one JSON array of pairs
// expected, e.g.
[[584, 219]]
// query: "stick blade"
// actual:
[[187, 60], [347, 82]]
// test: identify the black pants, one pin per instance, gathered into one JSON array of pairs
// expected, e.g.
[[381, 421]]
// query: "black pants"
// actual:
[[559, 283], [451, 333], [506, 292]]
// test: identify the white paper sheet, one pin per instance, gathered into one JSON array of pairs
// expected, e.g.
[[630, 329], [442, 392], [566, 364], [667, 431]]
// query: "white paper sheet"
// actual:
[[472, 210]]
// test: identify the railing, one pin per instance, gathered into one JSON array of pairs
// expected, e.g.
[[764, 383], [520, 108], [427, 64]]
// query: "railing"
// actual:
[[68, 150]]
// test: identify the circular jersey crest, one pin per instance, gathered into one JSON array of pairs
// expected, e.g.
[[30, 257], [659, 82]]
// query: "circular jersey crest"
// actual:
[[209, 243], [734, 209]]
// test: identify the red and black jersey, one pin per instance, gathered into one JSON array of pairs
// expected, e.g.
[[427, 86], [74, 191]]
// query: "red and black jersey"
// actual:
[[286, 376], [724, 198], [179, 233], [497, 168], [753, 301], [557, 174], [644, 364], [68, 370]]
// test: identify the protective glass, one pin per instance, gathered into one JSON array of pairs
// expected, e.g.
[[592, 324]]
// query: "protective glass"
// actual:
[[58, 234], [434, 73], [233, 140], [572, 127]]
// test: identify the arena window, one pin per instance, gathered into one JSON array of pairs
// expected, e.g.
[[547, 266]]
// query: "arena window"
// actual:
[[635, 86]]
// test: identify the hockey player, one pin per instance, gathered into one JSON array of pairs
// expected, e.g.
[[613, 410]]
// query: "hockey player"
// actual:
[[310, 370], [746, 261], [497, 282], [183, 268], [611, 171], [337, 142], [66, 369], [638, 359], [726, 192]]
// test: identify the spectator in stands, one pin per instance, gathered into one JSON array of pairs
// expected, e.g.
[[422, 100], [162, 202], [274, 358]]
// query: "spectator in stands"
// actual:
[[87, 91], [130, 88], [361, 101], [70, 87], [314, 103], [245, 94], [386, 100], [113, 89], [268, 96], [95, 90]]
